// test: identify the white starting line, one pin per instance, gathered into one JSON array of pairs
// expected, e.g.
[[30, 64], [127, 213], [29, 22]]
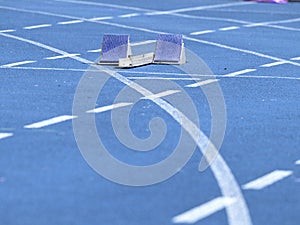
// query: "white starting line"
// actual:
[[203, 211], [267, 180], [37, 26], [49, 122], [70, 22], [109, 107], [62, 56], [18, 63], [5, 135]]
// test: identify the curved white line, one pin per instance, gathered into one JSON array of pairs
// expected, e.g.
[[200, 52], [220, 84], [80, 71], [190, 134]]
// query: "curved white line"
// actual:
[[238, 212]]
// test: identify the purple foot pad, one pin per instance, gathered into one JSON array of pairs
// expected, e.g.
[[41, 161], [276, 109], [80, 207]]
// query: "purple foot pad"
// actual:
[[114, 47], [168, 48]]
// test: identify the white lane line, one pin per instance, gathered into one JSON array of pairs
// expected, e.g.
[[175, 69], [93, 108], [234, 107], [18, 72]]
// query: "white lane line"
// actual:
[[155, 73], [95, 50], [104, 5], [109, 107], [297, 162], [267, 180], [61, 56], [201, 83], [49, 122], [273, 64], [205, 7], [202, 32], [239, 72], [203, 211], [129, 15], [155, 32], [229, 28], [161, 94], [273, 22], [143, 42], [18, 63], [295, 58], [225, 179], [5, 135], [37, 26], [101, 18], [7, 31], [70, 22]]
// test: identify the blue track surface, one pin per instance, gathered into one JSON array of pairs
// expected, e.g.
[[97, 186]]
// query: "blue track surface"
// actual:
[[45, 180]]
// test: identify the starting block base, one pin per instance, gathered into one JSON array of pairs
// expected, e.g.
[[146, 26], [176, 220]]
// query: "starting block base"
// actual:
[[138, 60]]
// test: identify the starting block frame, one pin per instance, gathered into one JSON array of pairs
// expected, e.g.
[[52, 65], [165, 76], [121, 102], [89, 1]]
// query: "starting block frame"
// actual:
[[116, 51]]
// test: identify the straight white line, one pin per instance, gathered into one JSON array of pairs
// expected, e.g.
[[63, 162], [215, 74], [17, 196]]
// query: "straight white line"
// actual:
[[37, 26], [49, 122], [95, 50], [267, 180], [239, 72], [225, 179], [156, 73], [18, 63], [201, 83], [203, 211], [70, 22], [105, 5], [161, 94], [101, 18], [155, 32], [202, 32], [297, 162], [273, 64], [229, 28], [129, 15], [5, 135], [143, 42], [198, 8], [7, 31], [61, 56], [109, 107], [295, 58], [273, 22]]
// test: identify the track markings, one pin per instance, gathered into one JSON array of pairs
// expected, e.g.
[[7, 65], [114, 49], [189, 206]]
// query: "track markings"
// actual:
[[7, 31], [267, 180], [297, 162], [70, 22], [18, 63], [37, 26], [49, 122], [101, 18], [202, 32], [129, 15], [296, 58], [273, 64], [161, 94], [62, 56], [234, 74], [109, 107], [95, 50], [229, 28], [201, 83], [202, 211], [5, 135], [190, 9]]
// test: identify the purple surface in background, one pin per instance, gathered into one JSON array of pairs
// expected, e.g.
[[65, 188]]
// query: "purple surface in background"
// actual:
[[273, 1]]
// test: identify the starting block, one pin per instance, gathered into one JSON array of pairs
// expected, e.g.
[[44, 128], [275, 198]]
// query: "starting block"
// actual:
[[116, 50], [114, 47], [169, 49]]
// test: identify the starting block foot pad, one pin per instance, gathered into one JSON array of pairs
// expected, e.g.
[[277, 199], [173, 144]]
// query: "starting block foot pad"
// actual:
[[169, 49], [114, 47]]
